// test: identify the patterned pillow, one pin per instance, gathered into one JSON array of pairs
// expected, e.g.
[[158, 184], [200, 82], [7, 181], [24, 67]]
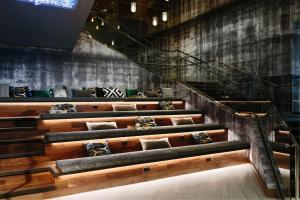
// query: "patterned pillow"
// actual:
[[62, 108], [97, 149], [165, 105], [201, 138], [113, 93], [145, 122], [19, 91]]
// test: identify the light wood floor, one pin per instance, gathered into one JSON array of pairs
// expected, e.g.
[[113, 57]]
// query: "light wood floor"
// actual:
[[230, 183]]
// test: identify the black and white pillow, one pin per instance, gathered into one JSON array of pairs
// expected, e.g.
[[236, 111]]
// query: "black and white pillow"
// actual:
[[113, 93], [19, 91], [97, 149]]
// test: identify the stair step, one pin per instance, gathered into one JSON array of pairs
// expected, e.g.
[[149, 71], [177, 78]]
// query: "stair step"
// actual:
[[21, 154], [20, 118], [25, 184], [117, 114], [11, 129], [280, 147]]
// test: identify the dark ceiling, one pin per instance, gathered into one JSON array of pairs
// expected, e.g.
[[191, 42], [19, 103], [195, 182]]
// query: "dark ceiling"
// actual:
[[133, 27]]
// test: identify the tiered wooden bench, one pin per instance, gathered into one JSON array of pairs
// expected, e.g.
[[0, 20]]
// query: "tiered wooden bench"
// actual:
[[63, 168]]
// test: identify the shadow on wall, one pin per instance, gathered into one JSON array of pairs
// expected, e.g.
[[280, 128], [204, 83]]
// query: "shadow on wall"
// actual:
[[89, 64]]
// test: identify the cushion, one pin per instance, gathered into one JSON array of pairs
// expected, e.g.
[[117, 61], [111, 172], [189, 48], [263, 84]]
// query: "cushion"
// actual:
[[182, 121], [165, 105], [201, 138], [40, 93], [131, 92], [101, 125], [97, 149], [167, 92], [125, 107], [63, 108], [19, 91], [155, 144], [58, 93], [82, 93], [113, 93], [151, 94], [99, 92], [145, 122], [4, 90]]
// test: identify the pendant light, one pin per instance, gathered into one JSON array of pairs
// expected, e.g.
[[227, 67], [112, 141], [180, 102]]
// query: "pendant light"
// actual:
[[154, 21], [113, 43], [97, 27], [164, 16], [133, 7], [92, 20]]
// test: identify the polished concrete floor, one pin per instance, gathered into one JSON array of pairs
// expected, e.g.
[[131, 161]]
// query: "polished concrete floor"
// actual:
[[236, 182]]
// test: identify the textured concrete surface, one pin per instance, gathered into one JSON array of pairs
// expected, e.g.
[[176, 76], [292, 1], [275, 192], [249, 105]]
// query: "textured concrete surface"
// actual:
[[90, 64]]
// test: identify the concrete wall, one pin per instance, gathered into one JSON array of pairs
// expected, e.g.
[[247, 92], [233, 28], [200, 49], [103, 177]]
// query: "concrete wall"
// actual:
[[90, 64], [253, 35]]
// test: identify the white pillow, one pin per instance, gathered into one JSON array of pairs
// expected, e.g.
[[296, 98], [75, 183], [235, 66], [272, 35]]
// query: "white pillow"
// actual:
[[59, 93], [101, 125], [155, 144], [182, 121], [124, 107]]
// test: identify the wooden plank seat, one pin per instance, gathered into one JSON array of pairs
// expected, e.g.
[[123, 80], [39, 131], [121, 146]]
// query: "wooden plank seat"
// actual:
[[123, 144], [114, 133], [76, 115], [84, 99], [34, 108], [79, 124], [78, 165]]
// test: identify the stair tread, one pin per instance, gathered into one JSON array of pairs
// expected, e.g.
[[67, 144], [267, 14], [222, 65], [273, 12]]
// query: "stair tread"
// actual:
[[19, 118], [23, 140], [8, 129], [22, 154], [117, 114]]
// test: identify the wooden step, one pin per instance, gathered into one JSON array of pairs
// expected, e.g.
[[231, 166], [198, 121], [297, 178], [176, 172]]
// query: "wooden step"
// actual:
[[19, 118], [26, 184], [12, 129], [102, 134], [21, 148], [117, 114]]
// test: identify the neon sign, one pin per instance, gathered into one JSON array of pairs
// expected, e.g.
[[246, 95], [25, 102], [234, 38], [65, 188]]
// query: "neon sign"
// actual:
[[66, 4]]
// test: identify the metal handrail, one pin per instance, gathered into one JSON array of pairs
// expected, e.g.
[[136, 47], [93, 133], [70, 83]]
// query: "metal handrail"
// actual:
[[274, 174]]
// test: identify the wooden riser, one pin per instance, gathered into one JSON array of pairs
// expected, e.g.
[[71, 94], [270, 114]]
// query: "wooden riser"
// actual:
[[283, 160], [65, 125], [26, 184], [34, 109], [95, 180], [68, 150]]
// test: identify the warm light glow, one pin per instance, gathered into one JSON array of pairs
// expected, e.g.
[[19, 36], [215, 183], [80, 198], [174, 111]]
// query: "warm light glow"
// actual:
[[92, 20], [133, 7], [97, 27], [164, 16], [113, 43], [90, 36], [102, 23], [118, 27], [154, 21]]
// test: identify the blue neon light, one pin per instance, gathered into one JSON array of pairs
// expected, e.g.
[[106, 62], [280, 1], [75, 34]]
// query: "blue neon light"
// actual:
[[66, 4]]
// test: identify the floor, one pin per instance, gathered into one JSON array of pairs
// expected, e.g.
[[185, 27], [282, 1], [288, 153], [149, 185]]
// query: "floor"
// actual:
[[236, 182]]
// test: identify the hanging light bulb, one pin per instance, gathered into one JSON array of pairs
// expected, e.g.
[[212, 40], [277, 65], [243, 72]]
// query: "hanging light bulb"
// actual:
[[133, 7], [102, 23], [92, 20], [113, 43], [118, 27], [164, 16], [154, 21], [90, 36], [97, 27]]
